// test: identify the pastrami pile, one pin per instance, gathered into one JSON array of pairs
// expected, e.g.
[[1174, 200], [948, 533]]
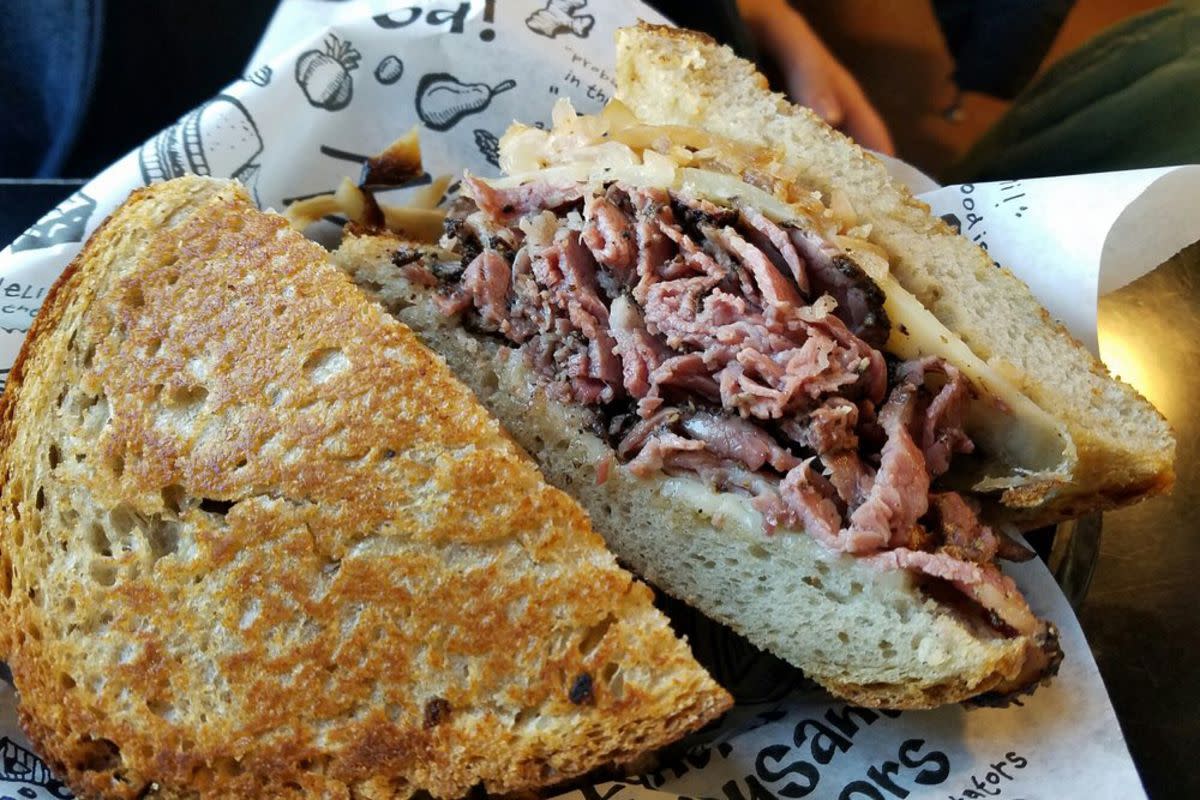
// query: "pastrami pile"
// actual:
[[712, 342]]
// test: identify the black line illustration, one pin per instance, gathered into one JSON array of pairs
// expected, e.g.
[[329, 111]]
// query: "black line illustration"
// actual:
[[260, 76], [443, 100], [344, 155], [489, 18], [64, 223], [219, 138], [21, 766], [559, 16], [324, 75], [488, 145], [390, 69]]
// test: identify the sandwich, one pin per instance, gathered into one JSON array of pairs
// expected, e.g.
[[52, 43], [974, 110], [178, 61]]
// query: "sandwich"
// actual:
[[783, 391], [257, 541]]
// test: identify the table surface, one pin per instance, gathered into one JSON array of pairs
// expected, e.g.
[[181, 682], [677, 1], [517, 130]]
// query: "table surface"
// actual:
[[1141, 614]]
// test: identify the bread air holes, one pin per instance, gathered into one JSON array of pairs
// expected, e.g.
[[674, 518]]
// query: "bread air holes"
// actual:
[[227, 767], [216, 507], [163, 538], [98, 540], [124, 520], [97, 755], [173, 497], [93, 412], [489, 382], [594, 635], [134, 297], [103, 572], [185, 399], [611, 676], [324, 364]]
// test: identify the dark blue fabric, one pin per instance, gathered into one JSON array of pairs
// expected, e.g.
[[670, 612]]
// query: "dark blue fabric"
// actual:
[[48, 51]]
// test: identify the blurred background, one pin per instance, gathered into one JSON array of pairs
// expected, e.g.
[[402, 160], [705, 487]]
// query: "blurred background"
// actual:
[[871, 39]]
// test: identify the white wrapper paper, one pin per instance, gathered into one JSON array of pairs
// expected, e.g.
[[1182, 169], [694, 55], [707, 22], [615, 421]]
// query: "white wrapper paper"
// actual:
[[335, 81]]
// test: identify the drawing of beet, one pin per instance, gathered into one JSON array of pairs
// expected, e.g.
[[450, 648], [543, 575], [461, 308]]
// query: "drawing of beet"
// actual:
[[559, 16], [488, 145], [324, 75], [443, 100], [389, 70]]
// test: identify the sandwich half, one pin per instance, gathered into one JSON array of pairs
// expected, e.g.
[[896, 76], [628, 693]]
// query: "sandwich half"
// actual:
[[257, 541], [1122, 449], [710, 337]]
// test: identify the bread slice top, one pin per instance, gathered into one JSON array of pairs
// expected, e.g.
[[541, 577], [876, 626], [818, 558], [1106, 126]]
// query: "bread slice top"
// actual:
[[257, 541], [1125, 447]]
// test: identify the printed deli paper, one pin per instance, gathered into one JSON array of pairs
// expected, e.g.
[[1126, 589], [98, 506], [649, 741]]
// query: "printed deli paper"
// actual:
[[333, 82]]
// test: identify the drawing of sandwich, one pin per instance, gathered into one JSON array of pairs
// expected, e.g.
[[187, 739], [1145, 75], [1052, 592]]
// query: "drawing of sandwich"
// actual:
[[19, 765], [219, 138]]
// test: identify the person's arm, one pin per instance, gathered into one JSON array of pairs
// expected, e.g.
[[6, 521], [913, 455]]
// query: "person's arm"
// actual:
[[814, 77]]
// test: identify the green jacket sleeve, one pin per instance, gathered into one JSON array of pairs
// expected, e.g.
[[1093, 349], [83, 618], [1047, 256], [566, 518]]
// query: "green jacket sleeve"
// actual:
[[1128, 98]]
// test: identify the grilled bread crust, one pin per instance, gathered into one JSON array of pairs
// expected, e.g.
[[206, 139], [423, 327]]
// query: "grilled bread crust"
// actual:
[[873, 639], [1126, 449], [256, 541]]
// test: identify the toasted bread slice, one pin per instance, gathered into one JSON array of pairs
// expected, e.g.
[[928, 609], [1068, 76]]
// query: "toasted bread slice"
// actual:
[[258, 542], [1125, 449], [873, 638]]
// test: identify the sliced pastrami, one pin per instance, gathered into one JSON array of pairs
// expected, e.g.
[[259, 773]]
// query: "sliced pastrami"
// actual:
[[963, 535], [640, 353], [734, 439], [507, 205], [807, 497], [659, 452], [900, 494], [486, 281], [942, 430], [860, 300], [774, 288], [609, 234], [777, 245]]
